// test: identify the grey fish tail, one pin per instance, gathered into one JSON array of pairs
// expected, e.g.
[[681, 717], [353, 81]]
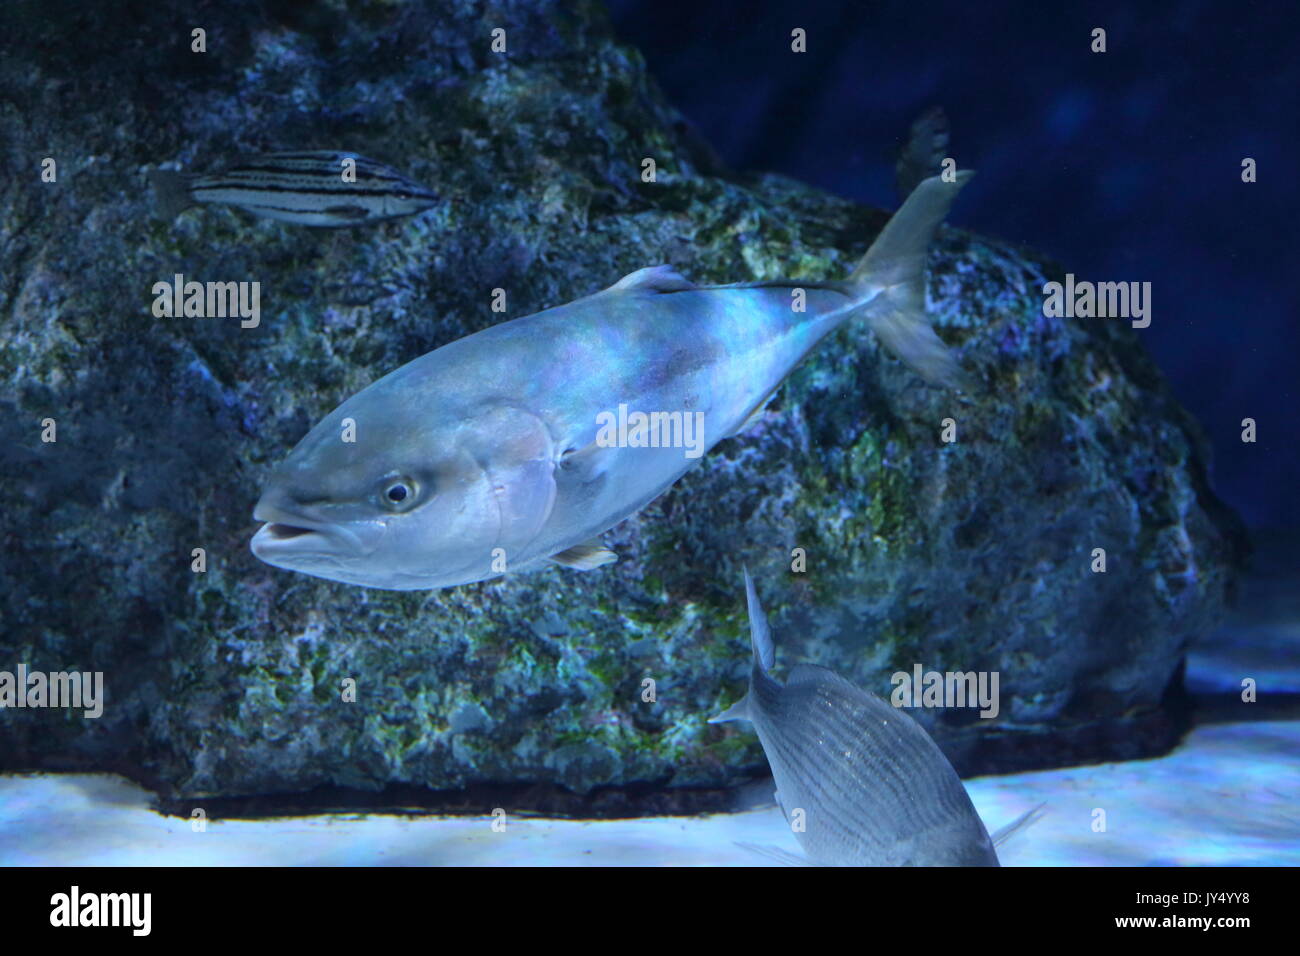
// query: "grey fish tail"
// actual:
[[891, 282], [171, 192]]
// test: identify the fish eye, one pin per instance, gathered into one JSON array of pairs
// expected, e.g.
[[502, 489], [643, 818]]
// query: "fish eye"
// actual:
[[397, 493]]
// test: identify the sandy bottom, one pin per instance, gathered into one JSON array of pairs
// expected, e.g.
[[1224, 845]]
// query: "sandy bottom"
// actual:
[[1229, 795], [1226, 797]]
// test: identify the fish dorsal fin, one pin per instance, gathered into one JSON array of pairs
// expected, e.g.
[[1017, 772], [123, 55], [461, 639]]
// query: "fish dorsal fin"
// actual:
[[653, 279], [586, 556], [760, 635]]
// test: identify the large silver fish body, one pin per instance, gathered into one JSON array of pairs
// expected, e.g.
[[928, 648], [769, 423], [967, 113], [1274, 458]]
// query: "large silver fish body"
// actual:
[[486, 456], [870, 786], [324, 188]]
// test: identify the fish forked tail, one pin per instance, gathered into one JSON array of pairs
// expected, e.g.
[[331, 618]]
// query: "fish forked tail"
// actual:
[[171, 191], [890, 279]]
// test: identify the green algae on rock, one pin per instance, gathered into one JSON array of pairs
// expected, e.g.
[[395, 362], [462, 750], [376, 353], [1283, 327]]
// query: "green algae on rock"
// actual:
[[239, 680]]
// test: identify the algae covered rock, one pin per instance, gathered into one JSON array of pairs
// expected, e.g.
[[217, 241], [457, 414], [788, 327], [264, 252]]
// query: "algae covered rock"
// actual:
[[876, 544]]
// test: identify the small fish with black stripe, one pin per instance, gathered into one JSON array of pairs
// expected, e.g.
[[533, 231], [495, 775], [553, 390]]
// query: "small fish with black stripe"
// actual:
[[311, 188]]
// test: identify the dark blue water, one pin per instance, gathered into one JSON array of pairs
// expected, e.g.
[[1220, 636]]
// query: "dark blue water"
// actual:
[[1123, 166]]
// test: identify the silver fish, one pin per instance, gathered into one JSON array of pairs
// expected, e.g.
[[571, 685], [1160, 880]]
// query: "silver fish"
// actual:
[[306, 188], [494, 453], [870, 786]]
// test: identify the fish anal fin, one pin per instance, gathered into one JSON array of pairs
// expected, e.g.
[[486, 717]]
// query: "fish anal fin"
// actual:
[[586, 556], [653, 279]]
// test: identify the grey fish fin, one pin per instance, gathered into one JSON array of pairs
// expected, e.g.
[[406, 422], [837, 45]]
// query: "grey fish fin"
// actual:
[[171, 191], [663, 278], [891, 281], [784, 857], [737, 711], [586, 556], [760, 635], [1026, 819]]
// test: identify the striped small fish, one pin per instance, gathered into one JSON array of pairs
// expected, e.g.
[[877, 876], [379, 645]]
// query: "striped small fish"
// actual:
[[874, 789], [306, 188]]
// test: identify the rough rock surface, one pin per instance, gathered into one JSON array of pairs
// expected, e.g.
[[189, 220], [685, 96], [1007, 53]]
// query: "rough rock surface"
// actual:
[[969, 555]]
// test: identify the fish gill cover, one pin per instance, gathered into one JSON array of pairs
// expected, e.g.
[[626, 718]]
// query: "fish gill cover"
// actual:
[[230, 680]]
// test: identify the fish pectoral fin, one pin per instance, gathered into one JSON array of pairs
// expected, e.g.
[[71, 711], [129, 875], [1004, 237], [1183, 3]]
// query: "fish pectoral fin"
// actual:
[[653, 279], [587, 463], [586, 556]]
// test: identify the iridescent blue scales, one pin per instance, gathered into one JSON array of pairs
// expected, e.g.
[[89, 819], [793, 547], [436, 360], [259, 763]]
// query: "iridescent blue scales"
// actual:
[[493, 454]]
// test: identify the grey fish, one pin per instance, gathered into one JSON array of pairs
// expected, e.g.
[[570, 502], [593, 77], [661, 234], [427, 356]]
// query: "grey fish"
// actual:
[[493, 454], [923, 154], [873, 788], [306, 188]]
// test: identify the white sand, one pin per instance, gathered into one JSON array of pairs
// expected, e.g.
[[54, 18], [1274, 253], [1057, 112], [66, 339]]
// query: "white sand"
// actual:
[[1227, 796]]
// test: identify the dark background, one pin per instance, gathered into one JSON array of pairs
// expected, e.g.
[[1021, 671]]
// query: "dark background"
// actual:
[[1124, 166]]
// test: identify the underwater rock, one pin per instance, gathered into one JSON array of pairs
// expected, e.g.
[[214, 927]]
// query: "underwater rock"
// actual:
[[241, 679]]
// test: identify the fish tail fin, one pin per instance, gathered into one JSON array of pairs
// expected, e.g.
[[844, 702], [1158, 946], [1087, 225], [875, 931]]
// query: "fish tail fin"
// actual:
[[1026, 819], [891, 282], [760, 635], [171, 191], [737, 711]]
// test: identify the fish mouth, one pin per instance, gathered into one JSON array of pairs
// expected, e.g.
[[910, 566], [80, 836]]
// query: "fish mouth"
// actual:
[[287, 538], [275, 531]]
